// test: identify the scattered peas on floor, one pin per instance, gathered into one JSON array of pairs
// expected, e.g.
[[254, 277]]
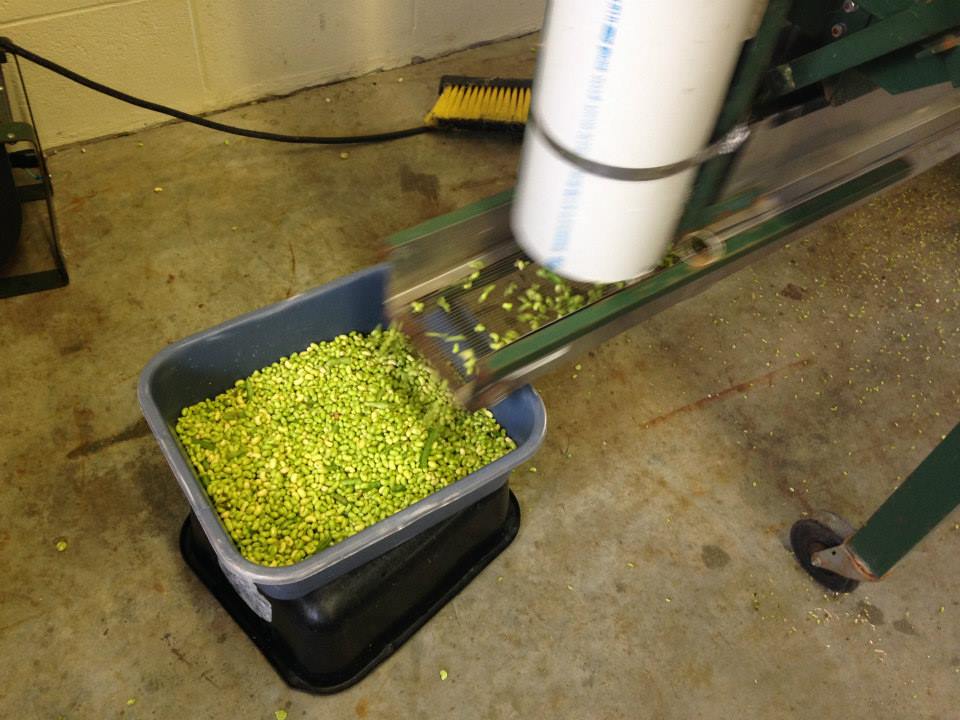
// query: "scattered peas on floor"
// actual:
[[280, 714], [444, 674], [61, 544], [326, 442]]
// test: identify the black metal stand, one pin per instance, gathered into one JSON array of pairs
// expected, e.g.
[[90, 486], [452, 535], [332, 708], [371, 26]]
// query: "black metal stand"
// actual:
[[13, 195]]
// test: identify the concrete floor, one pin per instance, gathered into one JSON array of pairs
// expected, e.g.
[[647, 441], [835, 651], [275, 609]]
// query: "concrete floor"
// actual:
[[649, 578]]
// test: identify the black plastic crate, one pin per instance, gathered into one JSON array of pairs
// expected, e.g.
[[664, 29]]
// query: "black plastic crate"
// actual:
[[334, 636]]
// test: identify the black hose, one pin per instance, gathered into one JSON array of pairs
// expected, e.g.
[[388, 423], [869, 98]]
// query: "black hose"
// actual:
[[8, 45]]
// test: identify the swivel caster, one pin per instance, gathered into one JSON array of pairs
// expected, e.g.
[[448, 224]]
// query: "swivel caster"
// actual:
[[812, 536]]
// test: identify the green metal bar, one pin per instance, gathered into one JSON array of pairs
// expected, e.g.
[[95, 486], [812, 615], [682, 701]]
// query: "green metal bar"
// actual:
[[560, 333], [902, 71], [885, 8], [924, 499], [736, 108], [894, 32]]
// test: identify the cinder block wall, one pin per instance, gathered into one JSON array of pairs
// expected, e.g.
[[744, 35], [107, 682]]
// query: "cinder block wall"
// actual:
[[202, 55]]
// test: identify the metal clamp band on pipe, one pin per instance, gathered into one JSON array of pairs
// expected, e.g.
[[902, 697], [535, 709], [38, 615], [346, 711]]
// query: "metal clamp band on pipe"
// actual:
[[724, 146]]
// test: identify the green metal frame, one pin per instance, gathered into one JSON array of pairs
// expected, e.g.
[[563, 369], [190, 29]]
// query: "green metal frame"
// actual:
[[898, 25], [883, 41], [750, 73], [880, 44], [558, 334], [925, 498]]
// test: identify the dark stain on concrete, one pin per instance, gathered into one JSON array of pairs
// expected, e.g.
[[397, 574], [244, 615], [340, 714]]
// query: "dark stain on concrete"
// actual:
[[205, 675], [4, 628], [423, 183], [74, 348], [149, 473], [76, 203], [906, 627], [714, 556], [83, 418], [871, 613], [794, 292], [138, 429], [362, 707], [766, 379], [177, 652]]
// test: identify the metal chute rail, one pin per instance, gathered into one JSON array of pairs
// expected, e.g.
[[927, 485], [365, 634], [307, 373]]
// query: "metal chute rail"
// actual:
[[457, 257]]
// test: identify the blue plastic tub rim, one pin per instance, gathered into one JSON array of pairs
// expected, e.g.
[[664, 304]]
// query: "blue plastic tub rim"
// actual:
[[337, 559]]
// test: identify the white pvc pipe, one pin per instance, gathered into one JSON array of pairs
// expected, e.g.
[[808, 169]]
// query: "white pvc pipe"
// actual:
[[629, 83]]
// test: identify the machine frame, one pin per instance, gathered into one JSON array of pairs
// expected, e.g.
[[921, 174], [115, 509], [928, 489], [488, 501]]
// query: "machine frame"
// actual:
[[812, 68]]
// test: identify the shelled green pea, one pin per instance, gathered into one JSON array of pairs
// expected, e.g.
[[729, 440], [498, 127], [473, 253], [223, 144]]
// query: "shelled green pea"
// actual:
[[326, 442]]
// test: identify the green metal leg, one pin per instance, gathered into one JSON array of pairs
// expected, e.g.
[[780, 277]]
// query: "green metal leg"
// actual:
[[925, 498], [736, 108]]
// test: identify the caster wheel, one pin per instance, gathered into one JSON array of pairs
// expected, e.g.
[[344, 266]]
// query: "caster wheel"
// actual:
[[810, 536]]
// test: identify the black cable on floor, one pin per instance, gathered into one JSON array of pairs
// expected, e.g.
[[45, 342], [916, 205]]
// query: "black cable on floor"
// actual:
[[9, 46]]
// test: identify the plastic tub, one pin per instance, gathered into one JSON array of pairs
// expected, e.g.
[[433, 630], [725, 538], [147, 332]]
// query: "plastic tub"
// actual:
[[209, 362]]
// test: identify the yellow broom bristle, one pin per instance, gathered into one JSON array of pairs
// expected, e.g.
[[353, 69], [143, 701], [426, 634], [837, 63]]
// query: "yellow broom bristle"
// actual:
[[481, 104]]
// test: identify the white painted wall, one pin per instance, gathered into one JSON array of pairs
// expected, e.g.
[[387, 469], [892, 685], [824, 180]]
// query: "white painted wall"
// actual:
[[202, 55]]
